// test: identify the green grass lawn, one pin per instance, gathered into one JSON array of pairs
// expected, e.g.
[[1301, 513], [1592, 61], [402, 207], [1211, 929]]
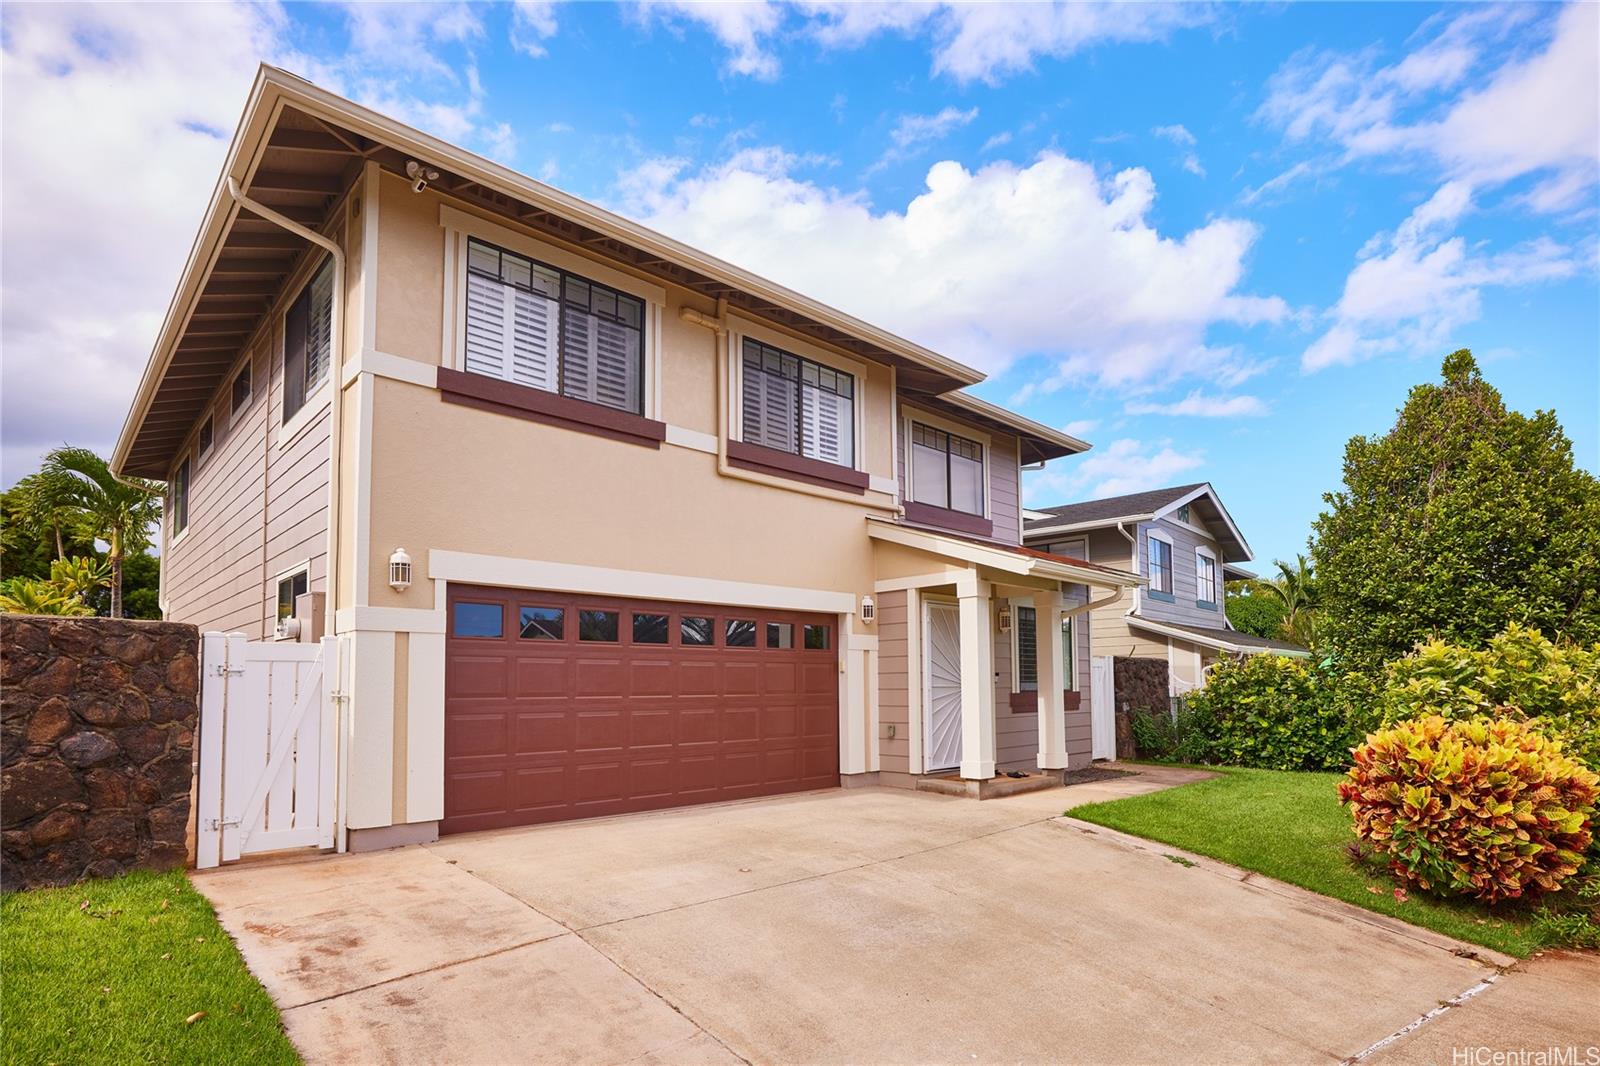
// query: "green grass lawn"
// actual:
[[1290, 826], [112, 971]]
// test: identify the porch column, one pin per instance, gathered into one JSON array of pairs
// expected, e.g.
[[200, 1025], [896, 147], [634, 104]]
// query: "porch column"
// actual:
[[977, 679], [1052, 704]]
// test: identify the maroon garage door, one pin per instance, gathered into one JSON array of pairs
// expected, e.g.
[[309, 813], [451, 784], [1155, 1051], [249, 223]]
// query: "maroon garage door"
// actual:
[[561, 706]]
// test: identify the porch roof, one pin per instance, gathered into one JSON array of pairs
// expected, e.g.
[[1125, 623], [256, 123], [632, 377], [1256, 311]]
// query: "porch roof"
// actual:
[[1008, 558]]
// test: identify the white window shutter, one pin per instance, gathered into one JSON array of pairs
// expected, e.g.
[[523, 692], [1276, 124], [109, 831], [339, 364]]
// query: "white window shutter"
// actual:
[[600, 361], [488, 308], [828, 425], [319, 327], [531, 325]]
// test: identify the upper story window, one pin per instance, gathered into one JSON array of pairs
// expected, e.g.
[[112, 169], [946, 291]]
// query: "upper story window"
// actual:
[[307, 341], [207, 437], [534, 325], [796, 405], [1160, 565], [1205, 578], [241, 390], [946, 470], [179, 490]]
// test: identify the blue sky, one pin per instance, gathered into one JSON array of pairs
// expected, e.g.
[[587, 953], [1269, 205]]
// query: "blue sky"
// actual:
[[1216, 241]]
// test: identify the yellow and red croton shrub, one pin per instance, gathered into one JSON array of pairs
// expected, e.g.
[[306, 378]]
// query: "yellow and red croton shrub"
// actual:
[[1482, 807]]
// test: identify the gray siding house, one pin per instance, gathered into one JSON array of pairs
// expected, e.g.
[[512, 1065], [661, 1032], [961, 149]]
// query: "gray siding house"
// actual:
[[1185, 545]]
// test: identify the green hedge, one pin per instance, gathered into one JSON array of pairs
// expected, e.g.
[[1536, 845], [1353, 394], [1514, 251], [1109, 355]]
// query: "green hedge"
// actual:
[[1278, 713]]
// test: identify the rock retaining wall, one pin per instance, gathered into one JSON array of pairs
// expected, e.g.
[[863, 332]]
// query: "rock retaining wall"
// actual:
[[97, 722]]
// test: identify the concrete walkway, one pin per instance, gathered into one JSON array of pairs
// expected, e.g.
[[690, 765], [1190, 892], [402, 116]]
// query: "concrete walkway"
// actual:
[[846, 926]]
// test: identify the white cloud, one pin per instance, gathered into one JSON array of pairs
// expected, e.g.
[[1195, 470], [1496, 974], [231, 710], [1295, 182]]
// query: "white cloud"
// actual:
[[1534, 113], [1201, 405], [1078, 427], [111, 160], [1180, 136], [1121, 467], [740, 27], [986, 42], [533, 22], [999, 140], [970, 42], [1050, 259], [912, 133], [1412, 289]]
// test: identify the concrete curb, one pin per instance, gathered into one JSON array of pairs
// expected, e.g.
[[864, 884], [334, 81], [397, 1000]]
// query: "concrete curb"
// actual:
[[1348, 911]]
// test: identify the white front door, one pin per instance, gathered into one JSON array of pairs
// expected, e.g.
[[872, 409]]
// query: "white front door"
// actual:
[[942, 656]]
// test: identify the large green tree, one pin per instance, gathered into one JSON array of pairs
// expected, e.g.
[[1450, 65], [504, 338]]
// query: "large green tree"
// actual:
[[1463, 517]]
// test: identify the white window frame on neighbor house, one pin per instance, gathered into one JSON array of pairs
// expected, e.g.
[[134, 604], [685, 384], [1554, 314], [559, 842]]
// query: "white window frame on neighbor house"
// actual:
[[740, 328], [1203, 555], [1153, 536], [277, 591], [462, 226], [910, 415]]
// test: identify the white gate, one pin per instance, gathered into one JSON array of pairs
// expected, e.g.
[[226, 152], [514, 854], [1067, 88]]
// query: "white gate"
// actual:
[[1103, 707], [268, 734]]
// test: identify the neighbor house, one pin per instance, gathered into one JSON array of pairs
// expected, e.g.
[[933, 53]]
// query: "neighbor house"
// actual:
[[1185, 545], [599, 523]]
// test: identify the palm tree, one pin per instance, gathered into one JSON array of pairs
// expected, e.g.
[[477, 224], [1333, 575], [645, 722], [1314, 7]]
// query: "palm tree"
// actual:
[[119, 512], [1295, 588], [42, 511]]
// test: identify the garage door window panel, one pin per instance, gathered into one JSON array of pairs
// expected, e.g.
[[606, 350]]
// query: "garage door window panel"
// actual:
[[484, 620], [741, 633], [650, 628], [597, 626], [543, 623], [780, 634], [818, 637], [697, 630]]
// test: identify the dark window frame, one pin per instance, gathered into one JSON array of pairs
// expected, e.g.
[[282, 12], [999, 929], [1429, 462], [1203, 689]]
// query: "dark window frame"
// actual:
[[950, 438], [562, 301], [179, 491], [206, 439], [236, 401], [300, 575], [823, 372]]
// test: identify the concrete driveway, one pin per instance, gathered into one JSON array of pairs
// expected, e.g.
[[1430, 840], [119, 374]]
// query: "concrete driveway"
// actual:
[[846, 926]]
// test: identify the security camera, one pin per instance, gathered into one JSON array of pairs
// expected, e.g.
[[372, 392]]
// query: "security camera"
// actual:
[[420, 175]]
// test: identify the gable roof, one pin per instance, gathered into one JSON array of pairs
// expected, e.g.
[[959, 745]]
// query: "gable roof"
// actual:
[[1144, 507], [299, 149]]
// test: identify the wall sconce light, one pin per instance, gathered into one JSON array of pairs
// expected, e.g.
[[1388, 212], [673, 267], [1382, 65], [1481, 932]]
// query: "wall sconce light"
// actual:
[[399, 570], [1005, 618], [869, 610]]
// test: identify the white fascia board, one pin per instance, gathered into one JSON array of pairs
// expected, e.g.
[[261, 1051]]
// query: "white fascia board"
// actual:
[[998, 558], [1080, 527], [1207, 490], [1209, 642]]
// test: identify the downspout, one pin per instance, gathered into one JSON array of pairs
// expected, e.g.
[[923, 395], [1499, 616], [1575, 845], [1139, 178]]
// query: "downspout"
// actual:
[[1133, 549], [336, 373], [718, 324]]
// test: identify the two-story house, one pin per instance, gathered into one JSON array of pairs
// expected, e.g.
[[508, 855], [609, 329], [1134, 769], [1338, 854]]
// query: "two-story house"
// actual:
[[1185, 545], [663, 532]]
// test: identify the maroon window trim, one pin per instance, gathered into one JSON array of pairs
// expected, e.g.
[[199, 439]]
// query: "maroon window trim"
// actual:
[[796, 467], [943, 517], [536, 405], [1028, 702]]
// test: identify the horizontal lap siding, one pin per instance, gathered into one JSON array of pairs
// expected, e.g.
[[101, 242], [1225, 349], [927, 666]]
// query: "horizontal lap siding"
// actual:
[[257, 508], [894, 679], [1184, 581]]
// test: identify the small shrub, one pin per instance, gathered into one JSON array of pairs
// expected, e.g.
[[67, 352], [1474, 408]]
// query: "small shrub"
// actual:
[[1489, 808], [1519, 674], [1278, 713], [1183, 736]]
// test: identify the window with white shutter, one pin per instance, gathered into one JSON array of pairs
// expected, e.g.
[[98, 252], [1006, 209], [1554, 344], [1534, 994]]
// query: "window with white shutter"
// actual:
[[796, 405], [534, 325], [307, 341]]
